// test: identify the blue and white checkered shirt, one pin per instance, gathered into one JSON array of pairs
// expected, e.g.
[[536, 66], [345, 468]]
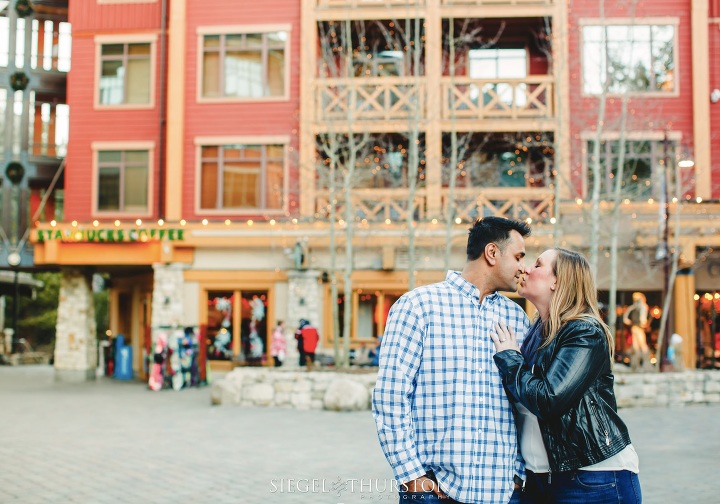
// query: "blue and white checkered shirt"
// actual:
[[439, 403]]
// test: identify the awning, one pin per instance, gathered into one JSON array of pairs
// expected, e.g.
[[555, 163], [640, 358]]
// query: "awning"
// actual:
[[26, 283]]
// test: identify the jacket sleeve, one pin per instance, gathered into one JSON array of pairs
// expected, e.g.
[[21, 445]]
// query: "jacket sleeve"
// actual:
[[579, 359], [400, 356]]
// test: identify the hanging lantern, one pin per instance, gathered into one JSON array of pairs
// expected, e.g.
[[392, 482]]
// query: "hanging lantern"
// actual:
[[23, 8], [19, 81], [15, 172]]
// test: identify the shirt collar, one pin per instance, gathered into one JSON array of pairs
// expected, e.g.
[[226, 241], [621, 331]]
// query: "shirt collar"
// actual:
[[467, 289]]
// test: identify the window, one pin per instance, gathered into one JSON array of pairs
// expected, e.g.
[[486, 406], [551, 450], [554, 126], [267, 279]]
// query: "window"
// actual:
[[242, 177], [502, 63], [384, 64], [247, 65], [369, 313], [123, 181], [643, 162], [634, 58], [125, 74]]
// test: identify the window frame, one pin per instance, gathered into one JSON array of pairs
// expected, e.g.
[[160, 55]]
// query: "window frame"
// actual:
[[640, 21], [97, 147], [674, 137], [139, 38], [201, 142], [202, 31], [111, 2]]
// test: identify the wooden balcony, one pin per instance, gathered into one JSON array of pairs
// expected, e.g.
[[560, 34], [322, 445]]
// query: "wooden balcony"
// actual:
[[519, 203], [498, 2], [376, 98], [328, 4], [46, 121], [374, 205], [528, 98]]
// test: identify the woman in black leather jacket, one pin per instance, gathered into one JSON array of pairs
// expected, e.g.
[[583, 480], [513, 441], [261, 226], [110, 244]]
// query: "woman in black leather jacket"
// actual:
[[575, 446]]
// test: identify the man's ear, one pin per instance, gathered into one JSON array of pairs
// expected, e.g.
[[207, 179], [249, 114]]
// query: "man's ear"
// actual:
[[491, 253]]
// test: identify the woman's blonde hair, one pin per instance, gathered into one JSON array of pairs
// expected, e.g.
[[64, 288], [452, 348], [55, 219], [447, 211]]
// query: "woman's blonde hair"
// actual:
[[575, 296]]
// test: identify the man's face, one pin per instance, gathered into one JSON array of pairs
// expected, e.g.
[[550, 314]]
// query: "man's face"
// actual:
[[510, 262]]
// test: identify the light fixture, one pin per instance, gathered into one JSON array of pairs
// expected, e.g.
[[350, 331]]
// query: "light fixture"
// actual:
[[13, 259], [686, 163]]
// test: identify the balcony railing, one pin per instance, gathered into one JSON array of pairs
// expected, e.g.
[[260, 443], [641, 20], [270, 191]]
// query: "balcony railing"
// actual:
[[498, 2], [49, 125], [375, 3], [367, 3], [377, 98], [465, 98], [512, 203], [374, 205]]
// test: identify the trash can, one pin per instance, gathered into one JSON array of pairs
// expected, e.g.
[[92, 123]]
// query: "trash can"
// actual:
[[123, 359]]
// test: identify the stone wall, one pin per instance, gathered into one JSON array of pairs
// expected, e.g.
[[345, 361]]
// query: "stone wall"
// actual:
[[75, 340], [667, 389], [295, 389], [167, 298], [304, 298], [352, 391]]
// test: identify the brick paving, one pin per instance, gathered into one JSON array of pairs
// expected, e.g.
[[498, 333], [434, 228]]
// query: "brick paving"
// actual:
[[116, 442]]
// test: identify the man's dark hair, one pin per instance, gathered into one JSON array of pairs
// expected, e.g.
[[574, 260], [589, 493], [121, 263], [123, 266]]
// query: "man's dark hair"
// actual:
[[492, 230]]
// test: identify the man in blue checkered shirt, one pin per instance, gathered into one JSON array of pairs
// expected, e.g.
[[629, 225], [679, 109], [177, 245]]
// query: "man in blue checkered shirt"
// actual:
[[443, 419]]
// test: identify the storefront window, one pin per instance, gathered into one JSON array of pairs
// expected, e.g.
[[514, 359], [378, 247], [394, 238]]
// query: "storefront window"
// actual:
[[220, 325], [623, 331], [237, 325], [369, 315], [253, 328], [708, 321]]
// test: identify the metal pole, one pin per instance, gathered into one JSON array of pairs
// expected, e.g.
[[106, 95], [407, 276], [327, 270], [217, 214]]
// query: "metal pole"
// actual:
[[16, 310], [713, 328]]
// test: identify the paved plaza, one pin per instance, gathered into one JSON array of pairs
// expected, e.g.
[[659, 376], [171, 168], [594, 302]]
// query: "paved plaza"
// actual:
[[117, 442]]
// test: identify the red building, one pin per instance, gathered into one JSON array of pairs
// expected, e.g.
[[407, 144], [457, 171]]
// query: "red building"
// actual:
[[197, 169]]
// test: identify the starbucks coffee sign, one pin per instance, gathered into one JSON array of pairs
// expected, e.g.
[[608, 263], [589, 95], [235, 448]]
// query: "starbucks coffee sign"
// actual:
[[103, 235]]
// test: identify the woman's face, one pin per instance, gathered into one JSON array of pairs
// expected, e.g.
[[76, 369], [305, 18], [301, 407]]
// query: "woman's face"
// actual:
[[539, 281]]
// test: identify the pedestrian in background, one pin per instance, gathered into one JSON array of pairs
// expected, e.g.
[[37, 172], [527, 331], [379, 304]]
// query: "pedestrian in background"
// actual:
[[278, 346], [308, 338]]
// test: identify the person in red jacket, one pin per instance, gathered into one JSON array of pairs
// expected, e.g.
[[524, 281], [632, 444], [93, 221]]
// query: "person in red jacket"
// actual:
[[307, 337]]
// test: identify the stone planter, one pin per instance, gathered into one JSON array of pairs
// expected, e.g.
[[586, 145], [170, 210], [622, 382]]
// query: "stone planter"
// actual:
[[348, 391]]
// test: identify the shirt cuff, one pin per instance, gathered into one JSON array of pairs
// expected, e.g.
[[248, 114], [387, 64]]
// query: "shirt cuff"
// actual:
[[408, 471]]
